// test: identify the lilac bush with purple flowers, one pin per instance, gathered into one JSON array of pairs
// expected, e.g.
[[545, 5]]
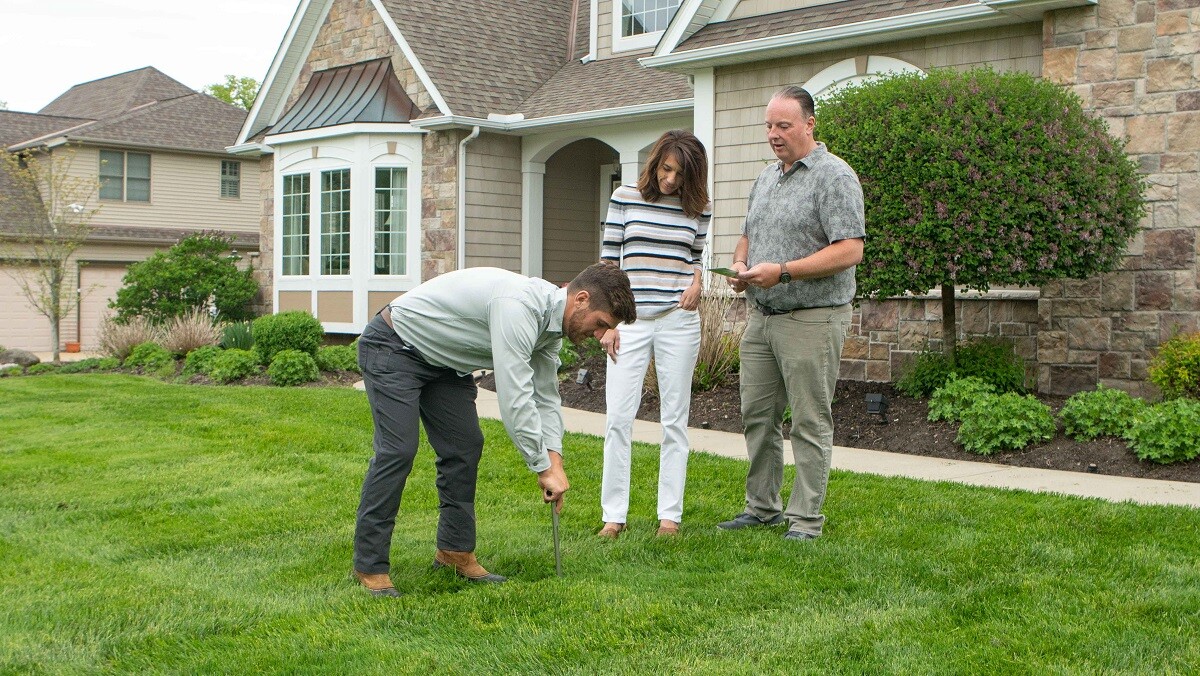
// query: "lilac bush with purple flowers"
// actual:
[[978, 178]]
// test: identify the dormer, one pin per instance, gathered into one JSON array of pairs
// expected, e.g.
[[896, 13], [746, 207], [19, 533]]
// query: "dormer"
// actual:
[[623, 27]]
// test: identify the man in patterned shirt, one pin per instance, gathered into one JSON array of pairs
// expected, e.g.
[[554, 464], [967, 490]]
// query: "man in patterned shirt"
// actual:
[[801, 240]]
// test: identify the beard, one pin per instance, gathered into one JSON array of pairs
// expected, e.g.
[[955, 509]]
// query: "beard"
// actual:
[[575, 330]]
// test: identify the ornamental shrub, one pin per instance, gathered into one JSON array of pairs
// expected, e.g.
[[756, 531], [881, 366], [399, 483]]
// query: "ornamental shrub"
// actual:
[[200, 360], [1008, 421], [152, 359], [198, 272], [1167, 432], [294, 330], [952, 400], [337, 358], [1176, 367], [293, 367], [233, 365], [993, 361], [1100, 412], [977, 178]]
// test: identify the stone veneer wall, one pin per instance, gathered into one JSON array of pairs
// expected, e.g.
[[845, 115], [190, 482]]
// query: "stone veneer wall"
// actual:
[[266, 236], [1134, 63]]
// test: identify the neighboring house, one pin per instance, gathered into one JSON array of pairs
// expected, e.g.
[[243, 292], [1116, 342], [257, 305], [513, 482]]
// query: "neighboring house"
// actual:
[[157, 150], [402, 140]]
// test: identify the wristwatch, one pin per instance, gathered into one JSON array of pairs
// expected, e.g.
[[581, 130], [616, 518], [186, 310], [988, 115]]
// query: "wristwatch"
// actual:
[[784, 276]]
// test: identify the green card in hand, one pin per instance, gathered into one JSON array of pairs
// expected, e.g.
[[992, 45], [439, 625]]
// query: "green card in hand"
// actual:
[[724, 271]]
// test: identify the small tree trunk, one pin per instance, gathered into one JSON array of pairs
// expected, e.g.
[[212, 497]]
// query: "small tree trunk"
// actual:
[[55, 308], [949, 328]]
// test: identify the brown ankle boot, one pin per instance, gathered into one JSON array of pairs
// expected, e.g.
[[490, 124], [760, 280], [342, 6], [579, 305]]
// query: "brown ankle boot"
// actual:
[[465, 565], [379, 584]]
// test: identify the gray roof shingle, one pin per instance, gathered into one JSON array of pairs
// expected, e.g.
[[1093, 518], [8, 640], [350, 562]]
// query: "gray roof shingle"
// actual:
[[608, 83], [16, 127], [115, 94], [808, 18], [195, 122]]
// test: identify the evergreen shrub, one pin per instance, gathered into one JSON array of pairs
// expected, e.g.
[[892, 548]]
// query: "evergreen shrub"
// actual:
[[293, 367], [293, 330]]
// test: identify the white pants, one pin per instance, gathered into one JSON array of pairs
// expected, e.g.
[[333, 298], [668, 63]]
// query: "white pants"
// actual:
[[674, 341]]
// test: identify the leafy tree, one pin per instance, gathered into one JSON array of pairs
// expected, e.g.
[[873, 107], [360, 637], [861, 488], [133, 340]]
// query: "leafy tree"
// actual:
[[198, 272], [979, 178], [239, 91], [3, 105], [45, 215]]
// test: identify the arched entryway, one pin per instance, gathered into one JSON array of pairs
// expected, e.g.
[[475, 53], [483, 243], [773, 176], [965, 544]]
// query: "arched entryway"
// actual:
[[578, 181]]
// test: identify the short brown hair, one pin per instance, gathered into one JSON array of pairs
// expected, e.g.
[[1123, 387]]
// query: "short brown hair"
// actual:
[[608, 287], [693, 161], [801, 96]]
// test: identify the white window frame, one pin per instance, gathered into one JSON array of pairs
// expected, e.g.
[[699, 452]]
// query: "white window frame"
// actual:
[[348, 192], [375, 216], [306, 261], [621, 43]]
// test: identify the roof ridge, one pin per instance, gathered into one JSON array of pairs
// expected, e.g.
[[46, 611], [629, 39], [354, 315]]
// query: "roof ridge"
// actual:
[[143, 109]]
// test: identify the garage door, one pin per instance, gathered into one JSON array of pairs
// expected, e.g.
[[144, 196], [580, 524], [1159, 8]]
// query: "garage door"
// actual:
[[20, 325], [100, 284]]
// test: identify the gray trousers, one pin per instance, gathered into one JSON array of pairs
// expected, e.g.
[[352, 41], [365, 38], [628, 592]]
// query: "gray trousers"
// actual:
[[791, 360], [402, 389]]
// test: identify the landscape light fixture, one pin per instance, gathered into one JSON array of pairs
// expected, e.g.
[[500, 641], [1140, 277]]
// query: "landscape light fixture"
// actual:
[[877, 403], [584, 378]]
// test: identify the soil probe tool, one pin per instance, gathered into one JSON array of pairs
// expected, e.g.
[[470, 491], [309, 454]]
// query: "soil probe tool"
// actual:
[[557, 555]]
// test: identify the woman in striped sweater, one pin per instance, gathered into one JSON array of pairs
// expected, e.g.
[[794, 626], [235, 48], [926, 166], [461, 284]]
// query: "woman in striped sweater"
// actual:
[[655, 231]]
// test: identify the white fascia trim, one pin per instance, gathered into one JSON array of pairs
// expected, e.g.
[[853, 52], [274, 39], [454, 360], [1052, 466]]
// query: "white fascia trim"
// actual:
[[825, 38], [677, 30], [412, 58], [587, 116], [254, 149], [594, 37], [342, 130], [273, 72], [724, 10]]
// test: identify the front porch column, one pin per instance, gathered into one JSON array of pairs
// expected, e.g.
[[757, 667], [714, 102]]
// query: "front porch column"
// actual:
[[533, 178], [631, 166]]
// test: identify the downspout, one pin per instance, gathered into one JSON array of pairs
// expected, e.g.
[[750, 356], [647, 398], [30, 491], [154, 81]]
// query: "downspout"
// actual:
[[462, 197]]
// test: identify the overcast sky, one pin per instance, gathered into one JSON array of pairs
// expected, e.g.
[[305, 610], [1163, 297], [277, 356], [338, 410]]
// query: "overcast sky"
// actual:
[[46, 46]]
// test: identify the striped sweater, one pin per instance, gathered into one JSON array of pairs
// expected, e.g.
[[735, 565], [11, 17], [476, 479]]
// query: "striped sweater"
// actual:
[[656, 244]]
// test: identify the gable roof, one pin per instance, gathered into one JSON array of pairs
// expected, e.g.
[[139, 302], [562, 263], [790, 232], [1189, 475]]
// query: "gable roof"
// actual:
[[115, 94], [364, 92]]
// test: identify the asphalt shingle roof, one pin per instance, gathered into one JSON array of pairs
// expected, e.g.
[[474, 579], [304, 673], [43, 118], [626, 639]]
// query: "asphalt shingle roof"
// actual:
[[116, 94], [196, 122], [17, 127], [608, 83], [808, 18]]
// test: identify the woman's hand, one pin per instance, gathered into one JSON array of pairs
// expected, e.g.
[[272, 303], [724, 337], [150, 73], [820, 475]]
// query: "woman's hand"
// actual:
[[691, 297], [611, 342]]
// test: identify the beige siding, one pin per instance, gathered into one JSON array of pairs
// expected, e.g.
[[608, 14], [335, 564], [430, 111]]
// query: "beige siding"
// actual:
[[377, 299], [740, 150], [571, 216], [494, 202], [747, 8], [295, 300], [335, 306], [99, 284], [604, 25]]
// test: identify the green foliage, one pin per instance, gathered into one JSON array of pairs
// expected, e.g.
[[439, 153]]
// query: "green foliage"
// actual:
[[294, 330], [992, 361], [568, 356], [1168, 431], [233, 365], [293, 367], [1100, 412], [719, 362], [1176, 367], [337, 358], [953, 399], [200, 360], [237, 335], [9, 371], [590, 348], [978, 178], [91, 364], [152, 359], [1008, 421], [185, 278], [41, 367], [238, 91]]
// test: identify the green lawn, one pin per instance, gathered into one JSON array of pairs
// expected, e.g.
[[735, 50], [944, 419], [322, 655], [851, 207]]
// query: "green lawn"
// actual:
[[149, 527]]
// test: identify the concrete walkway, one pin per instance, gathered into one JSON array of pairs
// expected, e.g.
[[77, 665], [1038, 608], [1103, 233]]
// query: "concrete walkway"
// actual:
[[1113, 488]]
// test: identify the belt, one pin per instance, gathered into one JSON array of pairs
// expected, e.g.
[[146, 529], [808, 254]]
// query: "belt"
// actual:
[[771, 312]]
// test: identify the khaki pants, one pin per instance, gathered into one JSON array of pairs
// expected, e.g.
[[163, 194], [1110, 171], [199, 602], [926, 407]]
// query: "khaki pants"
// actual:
[[791, 360]]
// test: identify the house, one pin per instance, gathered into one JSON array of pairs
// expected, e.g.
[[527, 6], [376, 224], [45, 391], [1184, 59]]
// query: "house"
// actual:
[[402, 140], [157, 152]]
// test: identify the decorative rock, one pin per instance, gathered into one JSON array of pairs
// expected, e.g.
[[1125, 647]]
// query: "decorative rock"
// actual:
[[18, 357]]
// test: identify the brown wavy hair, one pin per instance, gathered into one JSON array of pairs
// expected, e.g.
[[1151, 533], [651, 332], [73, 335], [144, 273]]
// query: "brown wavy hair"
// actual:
[[693, 160]]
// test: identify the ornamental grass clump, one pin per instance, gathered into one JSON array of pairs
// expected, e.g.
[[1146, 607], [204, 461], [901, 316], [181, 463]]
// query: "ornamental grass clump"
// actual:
[[1005, 422], [1176, 367], [293, 367], [188, 331], [1167, 432], [293, 330], [953, 399], [720, 341], [117, 338], [337, 358], [1100, 412], [977, 178], [233, 365]]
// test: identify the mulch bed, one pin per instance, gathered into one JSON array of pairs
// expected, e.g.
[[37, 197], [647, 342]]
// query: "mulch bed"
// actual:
[[907, 429]]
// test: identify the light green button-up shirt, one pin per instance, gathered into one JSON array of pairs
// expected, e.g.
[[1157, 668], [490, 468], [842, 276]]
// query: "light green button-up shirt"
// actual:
[[488, 318]]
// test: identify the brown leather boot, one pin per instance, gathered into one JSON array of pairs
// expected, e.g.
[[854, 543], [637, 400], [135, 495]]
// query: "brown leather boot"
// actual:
[[379, 584], [466, 566]]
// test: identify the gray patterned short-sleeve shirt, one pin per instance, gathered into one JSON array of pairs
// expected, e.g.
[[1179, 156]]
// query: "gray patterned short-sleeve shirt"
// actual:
[[796, 214]]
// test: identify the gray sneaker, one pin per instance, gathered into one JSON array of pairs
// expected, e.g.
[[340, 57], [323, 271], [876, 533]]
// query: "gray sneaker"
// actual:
[[745, 520], [798, 535]]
